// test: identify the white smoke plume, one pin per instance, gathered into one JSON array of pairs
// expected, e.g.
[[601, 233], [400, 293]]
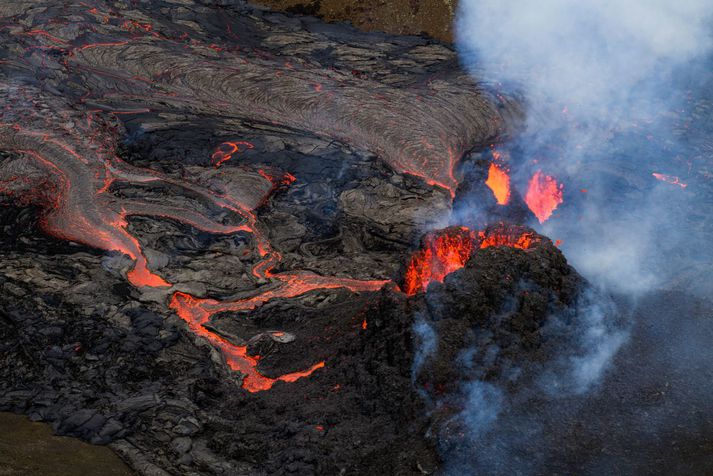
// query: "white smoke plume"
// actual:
[[597, 76], [588, 54], [591, 71]]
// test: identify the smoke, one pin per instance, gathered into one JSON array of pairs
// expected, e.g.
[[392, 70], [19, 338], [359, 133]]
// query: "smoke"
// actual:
[[484, 402], [608, 88], [606, 84], [595, 331], [425, 343], [588, 54]]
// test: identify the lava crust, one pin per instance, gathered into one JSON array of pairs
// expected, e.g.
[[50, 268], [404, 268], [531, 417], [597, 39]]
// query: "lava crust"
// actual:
[[201, 203]]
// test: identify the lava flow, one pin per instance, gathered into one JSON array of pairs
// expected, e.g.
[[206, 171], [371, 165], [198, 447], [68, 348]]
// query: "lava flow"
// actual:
[[225, 151], [197, 313], [499, 183], [63, 143], [62, 174], [543, 196], [448, 250]]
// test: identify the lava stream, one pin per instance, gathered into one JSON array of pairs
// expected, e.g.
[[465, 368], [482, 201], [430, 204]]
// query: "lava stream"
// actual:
[[225, 151], [197, 312], [75, 173]]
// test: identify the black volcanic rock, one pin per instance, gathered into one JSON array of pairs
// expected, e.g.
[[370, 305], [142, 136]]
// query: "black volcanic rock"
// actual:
[[112, 116], [501, 299], [109, 188]]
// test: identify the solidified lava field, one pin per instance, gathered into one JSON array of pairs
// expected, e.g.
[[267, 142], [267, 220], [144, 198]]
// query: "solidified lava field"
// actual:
[[225, 250]]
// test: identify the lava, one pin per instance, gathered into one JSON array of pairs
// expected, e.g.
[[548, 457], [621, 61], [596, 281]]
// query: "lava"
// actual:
[[499, 183], [543, 196], [197, 312], [450, 249], [441, 254], [64, 144], [673, 180], [225, 151], [522, 241], [75, 173]]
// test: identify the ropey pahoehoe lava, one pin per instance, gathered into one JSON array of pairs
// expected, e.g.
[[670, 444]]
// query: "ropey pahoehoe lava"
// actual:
[[239, 241]]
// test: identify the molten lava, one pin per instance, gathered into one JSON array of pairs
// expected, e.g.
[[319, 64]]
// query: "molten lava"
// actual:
[[543, 196], [522, 241], [101, 223], [197, 313], [225, 151], [499, 183], [135, 66], [450, 249], [441, 254]]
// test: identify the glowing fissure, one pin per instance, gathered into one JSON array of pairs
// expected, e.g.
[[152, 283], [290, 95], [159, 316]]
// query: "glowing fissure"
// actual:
[[448, 250], [543, 195]]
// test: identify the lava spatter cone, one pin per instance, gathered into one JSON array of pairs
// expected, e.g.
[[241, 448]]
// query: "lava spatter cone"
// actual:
[[490, 322], [445, 251]]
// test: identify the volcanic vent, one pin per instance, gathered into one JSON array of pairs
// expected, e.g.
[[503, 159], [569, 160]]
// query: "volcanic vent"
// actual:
[[445, 251], [223, 191], [211, 255]]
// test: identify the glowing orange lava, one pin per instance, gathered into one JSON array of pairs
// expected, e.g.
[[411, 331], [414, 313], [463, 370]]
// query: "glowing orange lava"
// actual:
[[78, 154], [499, 183], [442, 254], [448, 250], [197, 312], [543, 196], [102, 223], [225, 151], [523, 241]]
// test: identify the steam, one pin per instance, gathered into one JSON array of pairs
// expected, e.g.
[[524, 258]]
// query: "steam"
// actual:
[[595, 333], [602, 80], [425, 343], [587, 54], [484, 402]]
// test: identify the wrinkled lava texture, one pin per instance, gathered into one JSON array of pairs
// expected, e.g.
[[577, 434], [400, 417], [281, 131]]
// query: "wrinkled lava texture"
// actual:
[[220, 194], [208, 215]]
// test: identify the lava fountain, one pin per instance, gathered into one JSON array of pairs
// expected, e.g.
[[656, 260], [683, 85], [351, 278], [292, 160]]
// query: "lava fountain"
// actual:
[[543, 196], [499, 182], [445, 251]]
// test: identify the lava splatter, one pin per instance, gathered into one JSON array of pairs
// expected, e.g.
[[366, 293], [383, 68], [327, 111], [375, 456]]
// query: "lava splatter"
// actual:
[[499, 182], [672, 179], [448, 250], [543, 195]]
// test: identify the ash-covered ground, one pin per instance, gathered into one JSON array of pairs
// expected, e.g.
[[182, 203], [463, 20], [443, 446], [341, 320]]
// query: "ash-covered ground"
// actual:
[[208, 216]]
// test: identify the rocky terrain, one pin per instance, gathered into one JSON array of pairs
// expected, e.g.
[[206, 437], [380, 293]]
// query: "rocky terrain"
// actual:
[[401, 17], [211, 215], [169, 168]]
